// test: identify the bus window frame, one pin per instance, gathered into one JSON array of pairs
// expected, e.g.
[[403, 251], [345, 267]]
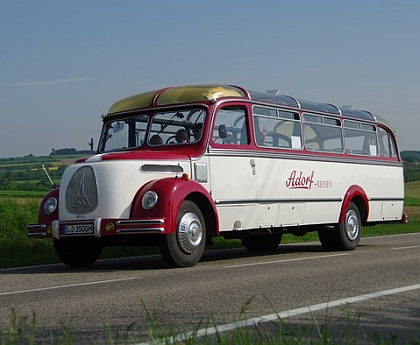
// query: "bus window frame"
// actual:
[[315, 126], [366, 130], [391, 138], [234, 142], [282, 117]]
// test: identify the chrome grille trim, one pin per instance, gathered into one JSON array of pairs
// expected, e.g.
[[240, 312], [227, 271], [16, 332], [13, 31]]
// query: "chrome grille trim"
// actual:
[[160, 168]]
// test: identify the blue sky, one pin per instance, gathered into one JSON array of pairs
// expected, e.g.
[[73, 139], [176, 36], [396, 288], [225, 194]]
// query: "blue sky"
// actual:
[[63, 63]]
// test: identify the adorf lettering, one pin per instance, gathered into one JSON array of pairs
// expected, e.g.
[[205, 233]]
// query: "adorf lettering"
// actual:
[[298, 180]]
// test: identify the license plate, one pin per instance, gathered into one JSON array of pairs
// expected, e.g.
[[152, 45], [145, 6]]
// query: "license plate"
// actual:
[[78, 229]]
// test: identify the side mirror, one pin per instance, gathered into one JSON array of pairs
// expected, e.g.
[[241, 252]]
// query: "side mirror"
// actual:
[[222, 131]]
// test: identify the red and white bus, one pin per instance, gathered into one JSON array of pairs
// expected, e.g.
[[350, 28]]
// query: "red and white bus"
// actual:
[[178, 166]]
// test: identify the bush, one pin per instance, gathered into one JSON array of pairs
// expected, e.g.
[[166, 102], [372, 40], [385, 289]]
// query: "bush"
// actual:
[[15, 215]]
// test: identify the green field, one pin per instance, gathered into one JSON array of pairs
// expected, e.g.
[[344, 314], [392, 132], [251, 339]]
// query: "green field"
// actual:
[[33, 173], [412, 189]]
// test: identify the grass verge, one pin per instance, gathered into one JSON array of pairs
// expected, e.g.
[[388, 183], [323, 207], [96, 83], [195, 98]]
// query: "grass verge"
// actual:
[[22, 330]]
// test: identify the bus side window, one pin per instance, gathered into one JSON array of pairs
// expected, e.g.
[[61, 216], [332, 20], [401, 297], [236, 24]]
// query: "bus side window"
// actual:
[[234, 120], [370, 146], [276, 128], [386, 144], [287, 134], [310, 138], [360, 138], [322, 133]]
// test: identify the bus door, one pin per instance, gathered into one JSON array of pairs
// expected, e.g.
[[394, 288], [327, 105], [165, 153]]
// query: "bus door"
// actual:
[[232, 170]]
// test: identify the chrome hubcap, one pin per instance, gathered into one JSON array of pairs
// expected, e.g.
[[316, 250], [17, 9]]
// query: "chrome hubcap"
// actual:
[[352, 225], [190, 232]]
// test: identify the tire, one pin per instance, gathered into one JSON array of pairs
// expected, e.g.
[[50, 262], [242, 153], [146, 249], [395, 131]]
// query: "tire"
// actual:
[[328, 239], [80, 252], [261, 242], [185, 246], [348, 232]]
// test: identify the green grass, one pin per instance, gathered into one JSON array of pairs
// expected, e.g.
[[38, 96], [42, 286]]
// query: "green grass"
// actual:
[[411, 201], [22, 330], [21, 194], [412, 189]]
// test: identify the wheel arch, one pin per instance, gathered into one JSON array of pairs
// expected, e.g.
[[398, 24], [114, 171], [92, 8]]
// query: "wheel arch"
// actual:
[[358, 196], [209, 212], [171, 193]]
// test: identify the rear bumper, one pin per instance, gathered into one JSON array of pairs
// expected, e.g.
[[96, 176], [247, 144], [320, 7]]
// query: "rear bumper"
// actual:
[[98, 227]]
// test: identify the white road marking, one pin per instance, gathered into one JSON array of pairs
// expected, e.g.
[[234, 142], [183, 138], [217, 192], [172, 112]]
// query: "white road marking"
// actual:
[[282, 315], [66, 286], [410, 247], [287, 260]]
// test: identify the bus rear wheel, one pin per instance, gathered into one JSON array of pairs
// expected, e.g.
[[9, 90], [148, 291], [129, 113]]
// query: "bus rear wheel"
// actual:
[[348, 232], [261, 242], [78, 252], [346, 235], [185, 246]]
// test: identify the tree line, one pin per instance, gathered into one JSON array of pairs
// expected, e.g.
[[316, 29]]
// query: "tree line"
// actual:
[[411, 161]]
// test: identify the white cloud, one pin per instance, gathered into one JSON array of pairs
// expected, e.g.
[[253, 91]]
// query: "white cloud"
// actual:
[[51, 82]]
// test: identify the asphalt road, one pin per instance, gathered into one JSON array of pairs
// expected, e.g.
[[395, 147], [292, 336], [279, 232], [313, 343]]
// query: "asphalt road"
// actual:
[[226, 285]]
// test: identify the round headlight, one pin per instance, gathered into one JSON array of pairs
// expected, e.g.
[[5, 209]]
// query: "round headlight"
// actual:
[[149, 200], [50, 206]]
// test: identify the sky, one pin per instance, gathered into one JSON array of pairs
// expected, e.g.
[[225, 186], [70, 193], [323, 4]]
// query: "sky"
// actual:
[[64, 63]]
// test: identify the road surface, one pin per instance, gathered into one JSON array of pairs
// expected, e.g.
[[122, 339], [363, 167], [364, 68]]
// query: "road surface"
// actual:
[[226, 285]]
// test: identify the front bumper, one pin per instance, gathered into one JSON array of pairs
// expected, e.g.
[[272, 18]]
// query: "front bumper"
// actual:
[[98, 227]]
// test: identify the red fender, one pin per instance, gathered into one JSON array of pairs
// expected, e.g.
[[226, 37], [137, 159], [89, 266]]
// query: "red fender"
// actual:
[[42, 217], [172, 191], [352, 193]]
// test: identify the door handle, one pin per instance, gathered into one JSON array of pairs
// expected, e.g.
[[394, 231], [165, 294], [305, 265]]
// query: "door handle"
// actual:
[[252, 163]]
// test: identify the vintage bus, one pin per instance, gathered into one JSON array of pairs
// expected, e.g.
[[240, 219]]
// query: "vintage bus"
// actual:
[[179, 166]]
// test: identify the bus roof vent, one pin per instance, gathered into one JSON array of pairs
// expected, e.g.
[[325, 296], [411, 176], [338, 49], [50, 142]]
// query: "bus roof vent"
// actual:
[[358, 114], [323, 107], [272, 97]]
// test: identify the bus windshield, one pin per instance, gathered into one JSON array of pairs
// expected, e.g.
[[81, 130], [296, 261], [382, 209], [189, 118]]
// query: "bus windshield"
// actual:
[[165, 128]]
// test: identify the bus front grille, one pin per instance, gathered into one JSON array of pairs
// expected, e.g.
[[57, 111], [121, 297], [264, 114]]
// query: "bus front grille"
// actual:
[[82, 193]]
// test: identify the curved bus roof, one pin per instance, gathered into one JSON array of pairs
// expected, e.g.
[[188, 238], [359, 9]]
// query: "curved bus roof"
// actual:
[[213, 92]]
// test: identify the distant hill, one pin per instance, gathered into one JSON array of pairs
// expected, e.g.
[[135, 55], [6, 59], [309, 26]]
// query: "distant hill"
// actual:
[[70, 151], [410, 156]]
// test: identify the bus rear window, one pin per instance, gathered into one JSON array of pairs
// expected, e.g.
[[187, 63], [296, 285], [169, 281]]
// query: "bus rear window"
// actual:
[[360, 138]]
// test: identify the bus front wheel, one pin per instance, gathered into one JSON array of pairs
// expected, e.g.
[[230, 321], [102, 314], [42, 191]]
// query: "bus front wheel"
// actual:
[[185, 246], [78, 252]]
